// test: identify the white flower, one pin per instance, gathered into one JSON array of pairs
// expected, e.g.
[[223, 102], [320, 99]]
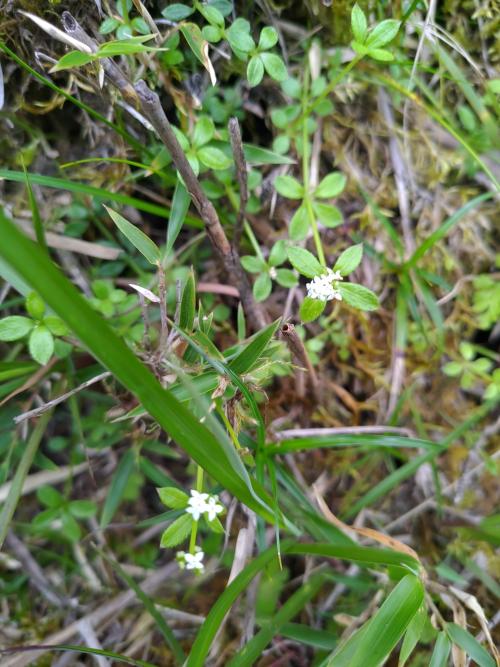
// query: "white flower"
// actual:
[[212, 508], [194, 561], [189, 561], [323, 288], [197, 504], [273, 273]]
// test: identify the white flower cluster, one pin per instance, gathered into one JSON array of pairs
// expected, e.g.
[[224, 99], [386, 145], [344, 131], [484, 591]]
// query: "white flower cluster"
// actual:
[[203, 503], [324, 287], [189, 561]]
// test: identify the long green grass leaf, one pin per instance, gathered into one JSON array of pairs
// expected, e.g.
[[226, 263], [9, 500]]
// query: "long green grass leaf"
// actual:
[[251, 652], [94, 332], [361, 440], [373, 643], [22, 470], [470, 645], [148, 603]]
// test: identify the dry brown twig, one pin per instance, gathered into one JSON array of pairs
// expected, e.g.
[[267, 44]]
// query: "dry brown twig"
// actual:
[[141, 97], [300, 356], [241, 175]]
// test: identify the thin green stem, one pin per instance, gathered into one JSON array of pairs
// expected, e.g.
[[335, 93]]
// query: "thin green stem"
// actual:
[[194, 528], [333, 83], [305, 172]]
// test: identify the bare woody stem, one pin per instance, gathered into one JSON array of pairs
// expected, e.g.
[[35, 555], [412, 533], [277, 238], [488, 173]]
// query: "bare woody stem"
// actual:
[[241, 175], [142, 97]]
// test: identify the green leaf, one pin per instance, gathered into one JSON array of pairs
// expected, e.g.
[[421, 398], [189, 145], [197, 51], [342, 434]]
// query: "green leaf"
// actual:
[[255, 70], [249, 655], [73, 59], [299, 224], [286, 278], [117, 488], [274, 66], [380, 54], [257, 155], [204, 131], [177, 12], [364, 440], [238, 36], [412, 635], [442, 649], [358, 24], [278, 253], [108, 25], [373, 642], [328, 215], [173, 497], [470, 645], [55, 325], [49, 497], [268, 38], [252, 352], [349, 259], [289, 187], [358, 48], [137, 238], [453, 369], [331, 186], [27, 454], [125, 46], [41, 344], [262, 287], [177, 531], [253, 264], [70, 528], [35, 306], [304, 262], [383, 33], [82, 509], [15, 327], [215, 454], [212, 34], [188, 304], [213, 158], [365, 555], [311, 309], [180, 206], [211, 14], [358, 296]]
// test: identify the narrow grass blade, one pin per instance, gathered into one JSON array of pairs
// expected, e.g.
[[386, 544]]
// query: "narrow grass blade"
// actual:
[[81, 105], [244, 361], [148, 603], [470, 645], [94, 332], [412, 636], [361, 440], [443, 229], [35, 214], [22, 470], [295, 603], [117, 488], [225, 601], [180, 206], [381, 633], [83, 188], [310, 636], [442, 648], [77, 649], [364, 555]]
